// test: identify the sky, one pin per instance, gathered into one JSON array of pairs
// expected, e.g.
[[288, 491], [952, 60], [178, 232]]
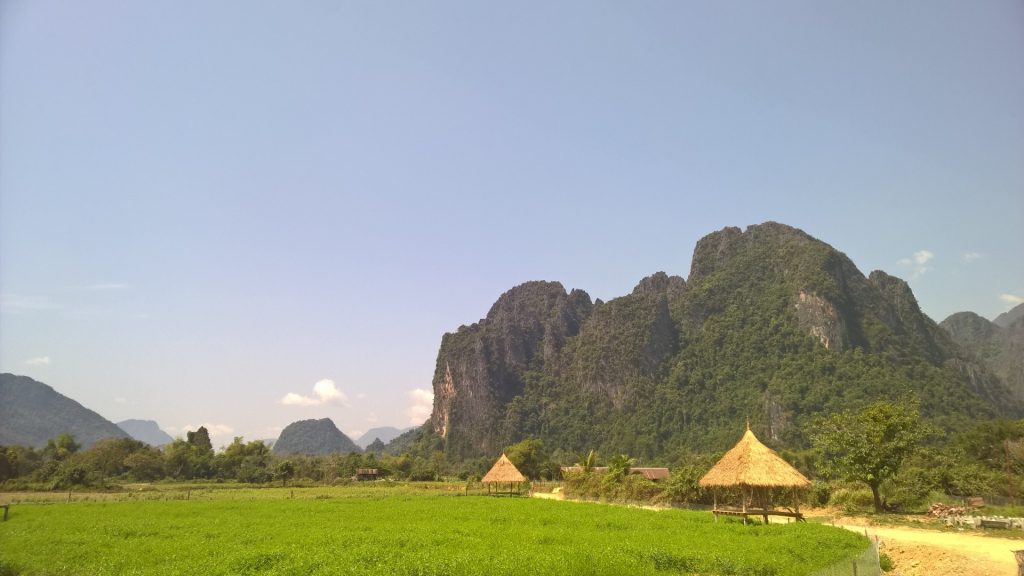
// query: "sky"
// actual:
[[241, 214]]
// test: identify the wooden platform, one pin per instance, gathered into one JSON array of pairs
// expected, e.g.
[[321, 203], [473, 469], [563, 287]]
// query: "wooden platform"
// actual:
[[758, 512]]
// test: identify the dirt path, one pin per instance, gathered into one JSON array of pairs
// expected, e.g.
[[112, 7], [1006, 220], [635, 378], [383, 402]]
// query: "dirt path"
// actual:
[[918, 552]]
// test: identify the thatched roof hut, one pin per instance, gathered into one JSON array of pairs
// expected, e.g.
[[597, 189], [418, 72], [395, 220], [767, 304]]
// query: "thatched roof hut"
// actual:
[[755, 470], [504, 472], [751, 463]]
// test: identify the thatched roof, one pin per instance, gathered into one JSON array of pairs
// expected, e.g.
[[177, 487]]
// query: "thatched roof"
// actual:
[[751, 463], [504, 471]]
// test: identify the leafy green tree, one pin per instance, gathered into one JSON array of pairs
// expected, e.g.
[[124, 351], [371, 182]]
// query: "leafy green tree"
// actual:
[[529, 457], [179, 459], [107, 457], [145, 465], [285, 470], [61, 447], [244, 461], [869, 445]]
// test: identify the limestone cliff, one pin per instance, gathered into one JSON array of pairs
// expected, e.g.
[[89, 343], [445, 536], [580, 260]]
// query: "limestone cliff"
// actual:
[[772, 325]]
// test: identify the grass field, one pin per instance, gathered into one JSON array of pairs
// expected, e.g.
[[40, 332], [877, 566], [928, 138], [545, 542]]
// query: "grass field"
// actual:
[[396, 530]]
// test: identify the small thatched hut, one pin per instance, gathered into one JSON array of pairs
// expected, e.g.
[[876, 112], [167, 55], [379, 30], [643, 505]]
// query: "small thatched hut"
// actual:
[[755, 470], [504, 472]]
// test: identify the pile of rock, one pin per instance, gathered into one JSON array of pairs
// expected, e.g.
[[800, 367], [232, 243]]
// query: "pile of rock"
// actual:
[[940, 510]]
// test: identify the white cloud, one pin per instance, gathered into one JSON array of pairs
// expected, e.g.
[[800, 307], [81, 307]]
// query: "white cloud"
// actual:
[[918, 262], [970, 257], [37, 361], [324, 392], [361, 396], [18, 303], [120, 400], [371, 418], [422, 405], [1011, 300]]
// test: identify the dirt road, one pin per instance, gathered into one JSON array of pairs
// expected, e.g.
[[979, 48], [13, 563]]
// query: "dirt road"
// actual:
[[919, 552]]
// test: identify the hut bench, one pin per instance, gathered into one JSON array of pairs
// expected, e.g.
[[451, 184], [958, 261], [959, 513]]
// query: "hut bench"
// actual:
[[758, 512]]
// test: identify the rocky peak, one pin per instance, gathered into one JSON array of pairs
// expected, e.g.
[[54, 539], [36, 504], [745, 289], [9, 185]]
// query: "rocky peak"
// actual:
[[1006, 318], [314, 437], [661, 283], [481, 367], [969, 327], [898, 293]]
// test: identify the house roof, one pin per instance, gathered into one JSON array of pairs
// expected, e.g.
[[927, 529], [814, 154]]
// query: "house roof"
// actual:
[[751, 463], [649, 473], [504, 471]]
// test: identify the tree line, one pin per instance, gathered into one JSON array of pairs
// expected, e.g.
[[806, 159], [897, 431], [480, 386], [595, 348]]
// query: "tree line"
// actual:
[[881, 457]]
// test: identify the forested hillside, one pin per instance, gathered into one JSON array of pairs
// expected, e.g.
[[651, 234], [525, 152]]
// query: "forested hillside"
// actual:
[[32, 413], [771, 326], [999, 345]]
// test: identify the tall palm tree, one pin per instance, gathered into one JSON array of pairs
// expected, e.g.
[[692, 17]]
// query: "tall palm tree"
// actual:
[[587, 462]]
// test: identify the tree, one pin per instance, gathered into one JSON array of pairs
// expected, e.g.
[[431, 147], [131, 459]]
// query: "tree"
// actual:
[[529, 457], [870, 445], [588, 461], [179, 459], [61, 447], [285, 470], [620, 465]]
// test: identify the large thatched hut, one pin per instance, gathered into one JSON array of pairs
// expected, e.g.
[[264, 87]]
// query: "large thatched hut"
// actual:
[[756, 473], [504, 473]]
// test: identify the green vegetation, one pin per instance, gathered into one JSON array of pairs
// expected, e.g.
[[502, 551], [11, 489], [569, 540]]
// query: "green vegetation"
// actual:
[[869, 445], [378, 530], [772, 326]]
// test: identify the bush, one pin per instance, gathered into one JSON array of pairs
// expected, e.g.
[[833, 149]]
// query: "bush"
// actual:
[[683, 487], [819, 494], [885, 562], [853, 500], [909, 490]]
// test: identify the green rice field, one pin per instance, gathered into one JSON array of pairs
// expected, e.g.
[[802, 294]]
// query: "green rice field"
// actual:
[[400, 530]]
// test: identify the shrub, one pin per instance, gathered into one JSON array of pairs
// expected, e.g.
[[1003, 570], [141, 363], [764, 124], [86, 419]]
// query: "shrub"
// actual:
[[819, 494], [853, 500]]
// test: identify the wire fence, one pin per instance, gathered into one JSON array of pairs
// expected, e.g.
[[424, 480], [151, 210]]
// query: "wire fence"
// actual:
[[866, 564]]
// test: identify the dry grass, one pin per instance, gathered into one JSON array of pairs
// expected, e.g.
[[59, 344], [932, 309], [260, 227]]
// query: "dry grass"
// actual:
[[751, 463]]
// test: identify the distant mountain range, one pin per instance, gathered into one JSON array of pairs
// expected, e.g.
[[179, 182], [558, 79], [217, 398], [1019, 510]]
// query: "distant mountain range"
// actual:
[[32, 413], [314, 437], [771, 326], [1006, 319], [146, 431], [999, 344], [385, 433]]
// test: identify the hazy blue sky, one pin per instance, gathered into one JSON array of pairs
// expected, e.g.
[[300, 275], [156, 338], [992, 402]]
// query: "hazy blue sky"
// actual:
[[207, 206]]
